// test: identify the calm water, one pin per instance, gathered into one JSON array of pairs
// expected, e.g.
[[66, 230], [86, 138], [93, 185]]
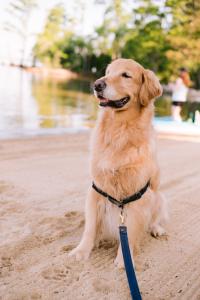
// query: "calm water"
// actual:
[[33, 105], [30, 104]]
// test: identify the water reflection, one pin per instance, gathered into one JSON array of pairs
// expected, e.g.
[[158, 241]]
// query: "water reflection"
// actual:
[[64, 104], [18, 108], [31, 104]]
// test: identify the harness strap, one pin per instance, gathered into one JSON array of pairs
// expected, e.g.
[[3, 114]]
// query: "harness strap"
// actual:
[[124, 201]]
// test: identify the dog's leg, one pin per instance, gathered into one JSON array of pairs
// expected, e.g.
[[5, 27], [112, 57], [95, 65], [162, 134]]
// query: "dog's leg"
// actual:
[[119, 263], [83, 250], [162, 216], [135, 230]]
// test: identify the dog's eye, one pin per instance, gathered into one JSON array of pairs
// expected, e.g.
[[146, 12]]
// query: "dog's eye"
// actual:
[[126, 75]]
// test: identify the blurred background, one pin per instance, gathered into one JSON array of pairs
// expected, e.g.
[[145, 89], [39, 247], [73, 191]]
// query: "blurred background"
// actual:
[[52, 51]]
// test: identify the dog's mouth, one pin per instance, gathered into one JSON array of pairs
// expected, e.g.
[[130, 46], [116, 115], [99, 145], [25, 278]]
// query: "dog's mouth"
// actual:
[[105, 102]]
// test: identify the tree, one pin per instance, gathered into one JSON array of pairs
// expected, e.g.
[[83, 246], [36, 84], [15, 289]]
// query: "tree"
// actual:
[[184, 36], [79, 56], [75, 53], [111, 35], [48, 47], [161, 35], [20, 12], [147, 42]]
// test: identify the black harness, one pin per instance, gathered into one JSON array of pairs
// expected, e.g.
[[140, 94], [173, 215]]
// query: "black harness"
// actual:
[[124, 201]]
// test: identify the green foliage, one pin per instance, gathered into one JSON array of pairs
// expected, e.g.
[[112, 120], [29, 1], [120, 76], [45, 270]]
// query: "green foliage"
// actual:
[[79, 57], [184, 36], [161, 35], [49, 43], [112, 34], [147, 42]]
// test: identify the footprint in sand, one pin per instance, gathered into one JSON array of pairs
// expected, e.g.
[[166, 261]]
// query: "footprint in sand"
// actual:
[[67, 248], [65, 274], [102, 285], [53, 228], [9, 189], [6, 266], [106, 244], [75, 220], [5, 186], [9, 194]]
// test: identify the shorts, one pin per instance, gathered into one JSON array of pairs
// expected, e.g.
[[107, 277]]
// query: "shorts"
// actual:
[[178, 103]]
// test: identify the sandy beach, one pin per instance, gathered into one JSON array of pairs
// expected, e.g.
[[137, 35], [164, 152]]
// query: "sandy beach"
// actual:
[[43, 185]]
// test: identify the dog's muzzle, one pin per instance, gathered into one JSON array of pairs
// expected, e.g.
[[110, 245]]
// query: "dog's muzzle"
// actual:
[[113, 103], [99, 87]]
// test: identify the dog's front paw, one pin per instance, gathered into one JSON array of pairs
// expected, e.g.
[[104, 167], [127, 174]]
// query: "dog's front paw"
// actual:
[[79, 253], [157, 231]]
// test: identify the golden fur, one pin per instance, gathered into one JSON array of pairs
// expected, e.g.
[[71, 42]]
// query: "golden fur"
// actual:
[[123, 159]]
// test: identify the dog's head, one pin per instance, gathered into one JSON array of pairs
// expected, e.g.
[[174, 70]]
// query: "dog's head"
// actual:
[[126, 82]]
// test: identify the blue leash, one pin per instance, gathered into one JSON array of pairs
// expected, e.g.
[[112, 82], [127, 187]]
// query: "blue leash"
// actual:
[[130, 272]]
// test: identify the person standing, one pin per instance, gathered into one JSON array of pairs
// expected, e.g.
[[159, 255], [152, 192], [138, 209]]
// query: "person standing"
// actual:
[[179, 95]]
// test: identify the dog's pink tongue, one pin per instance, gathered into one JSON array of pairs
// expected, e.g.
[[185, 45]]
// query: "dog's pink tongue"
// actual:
[[103, 100]]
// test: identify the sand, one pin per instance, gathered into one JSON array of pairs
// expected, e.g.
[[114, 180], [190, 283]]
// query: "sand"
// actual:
[[43, 185]]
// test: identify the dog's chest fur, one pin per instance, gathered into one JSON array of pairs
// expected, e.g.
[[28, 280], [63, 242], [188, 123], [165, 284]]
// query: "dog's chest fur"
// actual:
[[119, 154], [108, 216], [114, 146]]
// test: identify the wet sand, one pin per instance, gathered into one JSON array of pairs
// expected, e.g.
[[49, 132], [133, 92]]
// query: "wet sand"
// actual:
[[43, 184]]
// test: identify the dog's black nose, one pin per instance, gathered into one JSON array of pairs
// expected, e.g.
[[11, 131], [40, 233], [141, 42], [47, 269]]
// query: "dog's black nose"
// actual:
[[99, 85]]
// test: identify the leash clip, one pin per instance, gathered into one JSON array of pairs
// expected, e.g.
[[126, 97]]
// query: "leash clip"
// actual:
[[122, 216]]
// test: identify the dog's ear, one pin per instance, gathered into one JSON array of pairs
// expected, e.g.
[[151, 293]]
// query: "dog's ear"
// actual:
[[150, 89]]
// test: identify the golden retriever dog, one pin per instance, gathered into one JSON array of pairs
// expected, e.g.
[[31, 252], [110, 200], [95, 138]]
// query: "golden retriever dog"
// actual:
[[123, 159]]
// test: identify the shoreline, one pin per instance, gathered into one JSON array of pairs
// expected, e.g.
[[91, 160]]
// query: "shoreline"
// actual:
[[73, 132], [57, 73]]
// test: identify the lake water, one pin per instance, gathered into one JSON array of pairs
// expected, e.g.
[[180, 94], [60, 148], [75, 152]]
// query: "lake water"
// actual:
[[32, 105]]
